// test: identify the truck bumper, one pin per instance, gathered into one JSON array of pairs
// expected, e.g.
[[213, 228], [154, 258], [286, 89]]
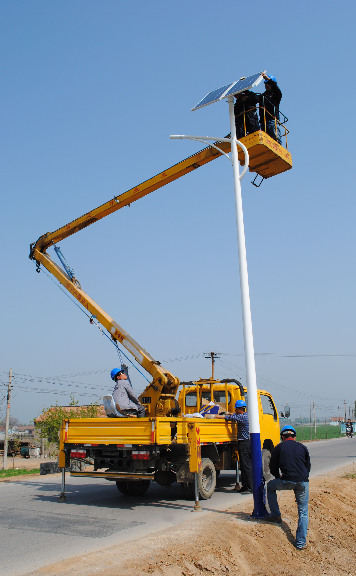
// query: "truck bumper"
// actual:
[[115, 475]]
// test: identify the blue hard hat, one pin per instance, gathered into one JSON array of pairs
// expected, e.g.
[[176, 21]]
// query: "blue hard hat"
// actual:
[[240, 404], [114, 372], [288, 430], [273, 78]]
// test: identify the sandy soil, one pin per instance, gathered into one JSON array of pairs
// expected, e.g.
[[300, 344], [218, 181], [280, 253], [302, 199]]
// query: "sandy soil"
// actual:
[[230, 543]]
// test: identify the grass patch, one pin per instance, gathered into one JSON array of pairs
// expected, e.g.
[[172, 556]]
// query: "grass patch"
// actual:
[[323, 432], [18, 472], [350, 476]]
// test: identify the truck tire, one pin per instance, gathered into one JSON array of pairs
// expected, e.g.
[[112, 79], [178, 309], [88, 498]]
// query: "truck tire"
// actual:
[[133, 488], [165, 477], [266, 457], [207, 479], [206, 482]]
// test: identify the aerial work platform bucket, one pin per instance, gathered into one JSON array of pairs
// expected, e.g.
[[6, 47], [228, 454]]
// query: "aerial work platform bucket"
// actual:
[[267, 157]]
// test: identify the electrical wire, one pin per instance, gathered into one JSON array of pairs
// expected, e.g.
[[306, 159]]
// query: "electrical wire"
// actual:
[[94, 321]]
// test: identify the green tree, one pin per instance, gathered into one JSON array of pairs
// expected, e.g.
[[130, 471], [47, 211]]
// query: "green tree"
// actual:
[[16, 448], [50, 421]]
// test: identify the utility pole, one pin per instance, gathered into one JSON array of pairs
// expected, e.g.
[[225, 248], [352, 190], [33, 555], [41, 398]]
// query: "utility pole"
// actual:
[[213, 356], [311, 427], [314, 419], [345, 409], [7, 422]]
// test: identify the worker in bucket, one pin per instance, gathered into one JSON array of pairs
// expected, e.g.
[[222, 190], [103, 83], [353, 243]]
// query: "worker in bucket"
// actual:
[[269, 107], [124, 397], [245, 110], [243, 444], [290, 464]]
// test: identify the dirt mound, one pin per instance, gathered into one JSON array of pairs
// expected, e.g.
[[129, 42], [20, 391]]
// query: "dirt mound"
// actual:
[[230, 543]]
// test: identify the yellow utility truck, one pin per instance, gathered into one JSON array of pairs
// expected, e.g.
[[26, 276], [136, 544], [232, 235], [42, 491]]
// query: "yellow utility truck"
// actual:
[[172, 441], [135, 451]]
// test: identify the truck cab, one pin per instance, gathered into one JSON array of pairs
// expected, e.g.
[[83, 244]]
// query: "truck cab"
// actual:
[[193, 397]]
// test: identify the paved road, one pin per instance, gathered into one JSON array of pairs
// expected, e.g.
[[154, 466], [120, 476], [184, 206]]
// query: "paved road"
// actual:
[[37, 529]]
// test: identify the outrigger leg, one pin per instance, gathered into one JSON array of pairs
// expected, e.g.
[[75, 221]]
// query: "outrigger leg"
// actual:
[[62, 496], [197, 506]]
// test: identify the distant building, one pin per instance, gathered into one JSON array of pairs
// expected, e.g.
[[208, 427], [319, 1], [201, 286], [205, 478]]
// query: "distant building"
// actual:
[[335, 421], [23, 430]]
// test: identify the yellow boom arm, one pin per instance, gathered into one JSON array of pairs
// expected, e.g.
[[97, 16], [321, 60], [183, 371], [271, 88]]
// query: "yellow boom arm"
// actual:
[[184, 167], [159, 395]]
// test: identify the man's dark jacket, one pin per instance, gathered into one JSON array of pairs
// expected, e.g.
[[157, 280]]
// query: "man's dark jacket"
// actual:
[[271, 100], [290, 460]]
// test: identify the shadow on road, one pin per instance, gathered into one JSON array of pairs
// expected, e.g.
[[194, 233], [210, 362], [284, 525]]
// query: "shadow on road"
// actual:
[[107, 496]]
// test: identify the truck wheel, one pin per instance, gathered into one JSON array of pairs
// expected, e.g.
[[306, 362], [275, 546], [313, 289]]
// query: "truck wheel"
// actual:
[[266, 457], [165, 477], [206, 482], [207, 479], [133, 488], [121, 485]]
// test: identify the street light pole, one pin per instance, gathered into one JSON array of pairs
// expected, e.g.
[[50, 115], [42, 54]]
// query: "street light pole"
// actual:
[[7, 421], [229, 91], [254, 423]]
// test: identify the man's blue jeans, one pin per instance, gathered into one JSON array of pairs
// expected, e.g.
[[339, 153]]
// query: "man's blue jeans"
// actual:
[[301, 492]]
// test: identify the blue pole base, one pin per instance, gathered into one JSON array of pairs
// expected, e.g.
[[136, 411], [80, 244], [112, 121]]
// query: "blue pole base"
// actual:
[[259, 495]]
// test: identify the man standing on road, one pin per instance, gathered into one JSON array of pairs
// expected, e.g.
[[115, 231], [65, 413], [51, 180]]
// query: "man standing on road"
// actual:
[[243, 444], [290, 464]]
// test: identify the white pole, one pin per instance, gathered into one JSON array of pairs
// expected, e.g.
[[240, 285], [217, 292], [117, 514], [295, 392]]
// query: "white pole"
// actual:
[[7, 421], [254, 423]]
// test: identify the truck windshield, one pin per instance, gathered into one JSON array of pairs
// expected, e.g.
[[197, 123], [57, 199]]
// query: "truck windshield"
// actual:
[[219, 397]]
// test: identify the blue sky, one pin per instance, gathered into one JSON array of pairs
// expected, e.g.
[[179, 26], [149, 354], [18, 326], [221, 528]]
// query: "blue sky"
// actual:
[[91, 92]]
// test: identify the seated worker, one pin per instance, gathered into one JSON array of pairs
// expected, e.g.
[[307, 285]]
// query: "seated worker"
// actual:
[[246, 119], [125, 399], [269, 107]]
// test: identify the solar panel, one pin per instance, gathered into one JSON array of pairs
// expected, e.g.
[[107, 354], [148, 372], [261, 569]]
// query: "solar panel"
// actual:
[[229, 89], [213, 96], [245, 84]]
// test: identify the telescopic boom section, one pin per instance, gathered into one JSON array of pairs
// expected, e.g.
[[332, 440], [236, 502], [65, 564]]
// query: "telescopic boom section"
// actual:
[[126, 198], [159, 395]]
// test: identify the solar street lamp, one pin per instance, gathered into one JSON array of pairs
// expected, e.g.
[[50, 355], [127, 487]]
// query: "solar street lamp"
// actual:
[[229, 91]]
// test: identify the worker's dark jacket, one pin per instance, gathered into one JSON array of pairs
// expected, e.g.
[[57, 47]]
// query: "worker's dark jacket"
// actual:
[[246, 118], [270, 101], [245, 101], [290, 460]]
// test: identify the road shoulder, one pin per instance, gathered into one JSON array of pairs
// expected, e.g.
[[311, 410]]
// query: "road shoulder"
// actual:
[[231, 542]]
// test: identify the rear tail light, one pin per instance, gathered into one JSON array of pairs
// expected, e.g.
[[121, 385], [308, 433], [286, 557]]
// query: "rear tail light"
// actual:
[[78, 453], [140, 455]]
